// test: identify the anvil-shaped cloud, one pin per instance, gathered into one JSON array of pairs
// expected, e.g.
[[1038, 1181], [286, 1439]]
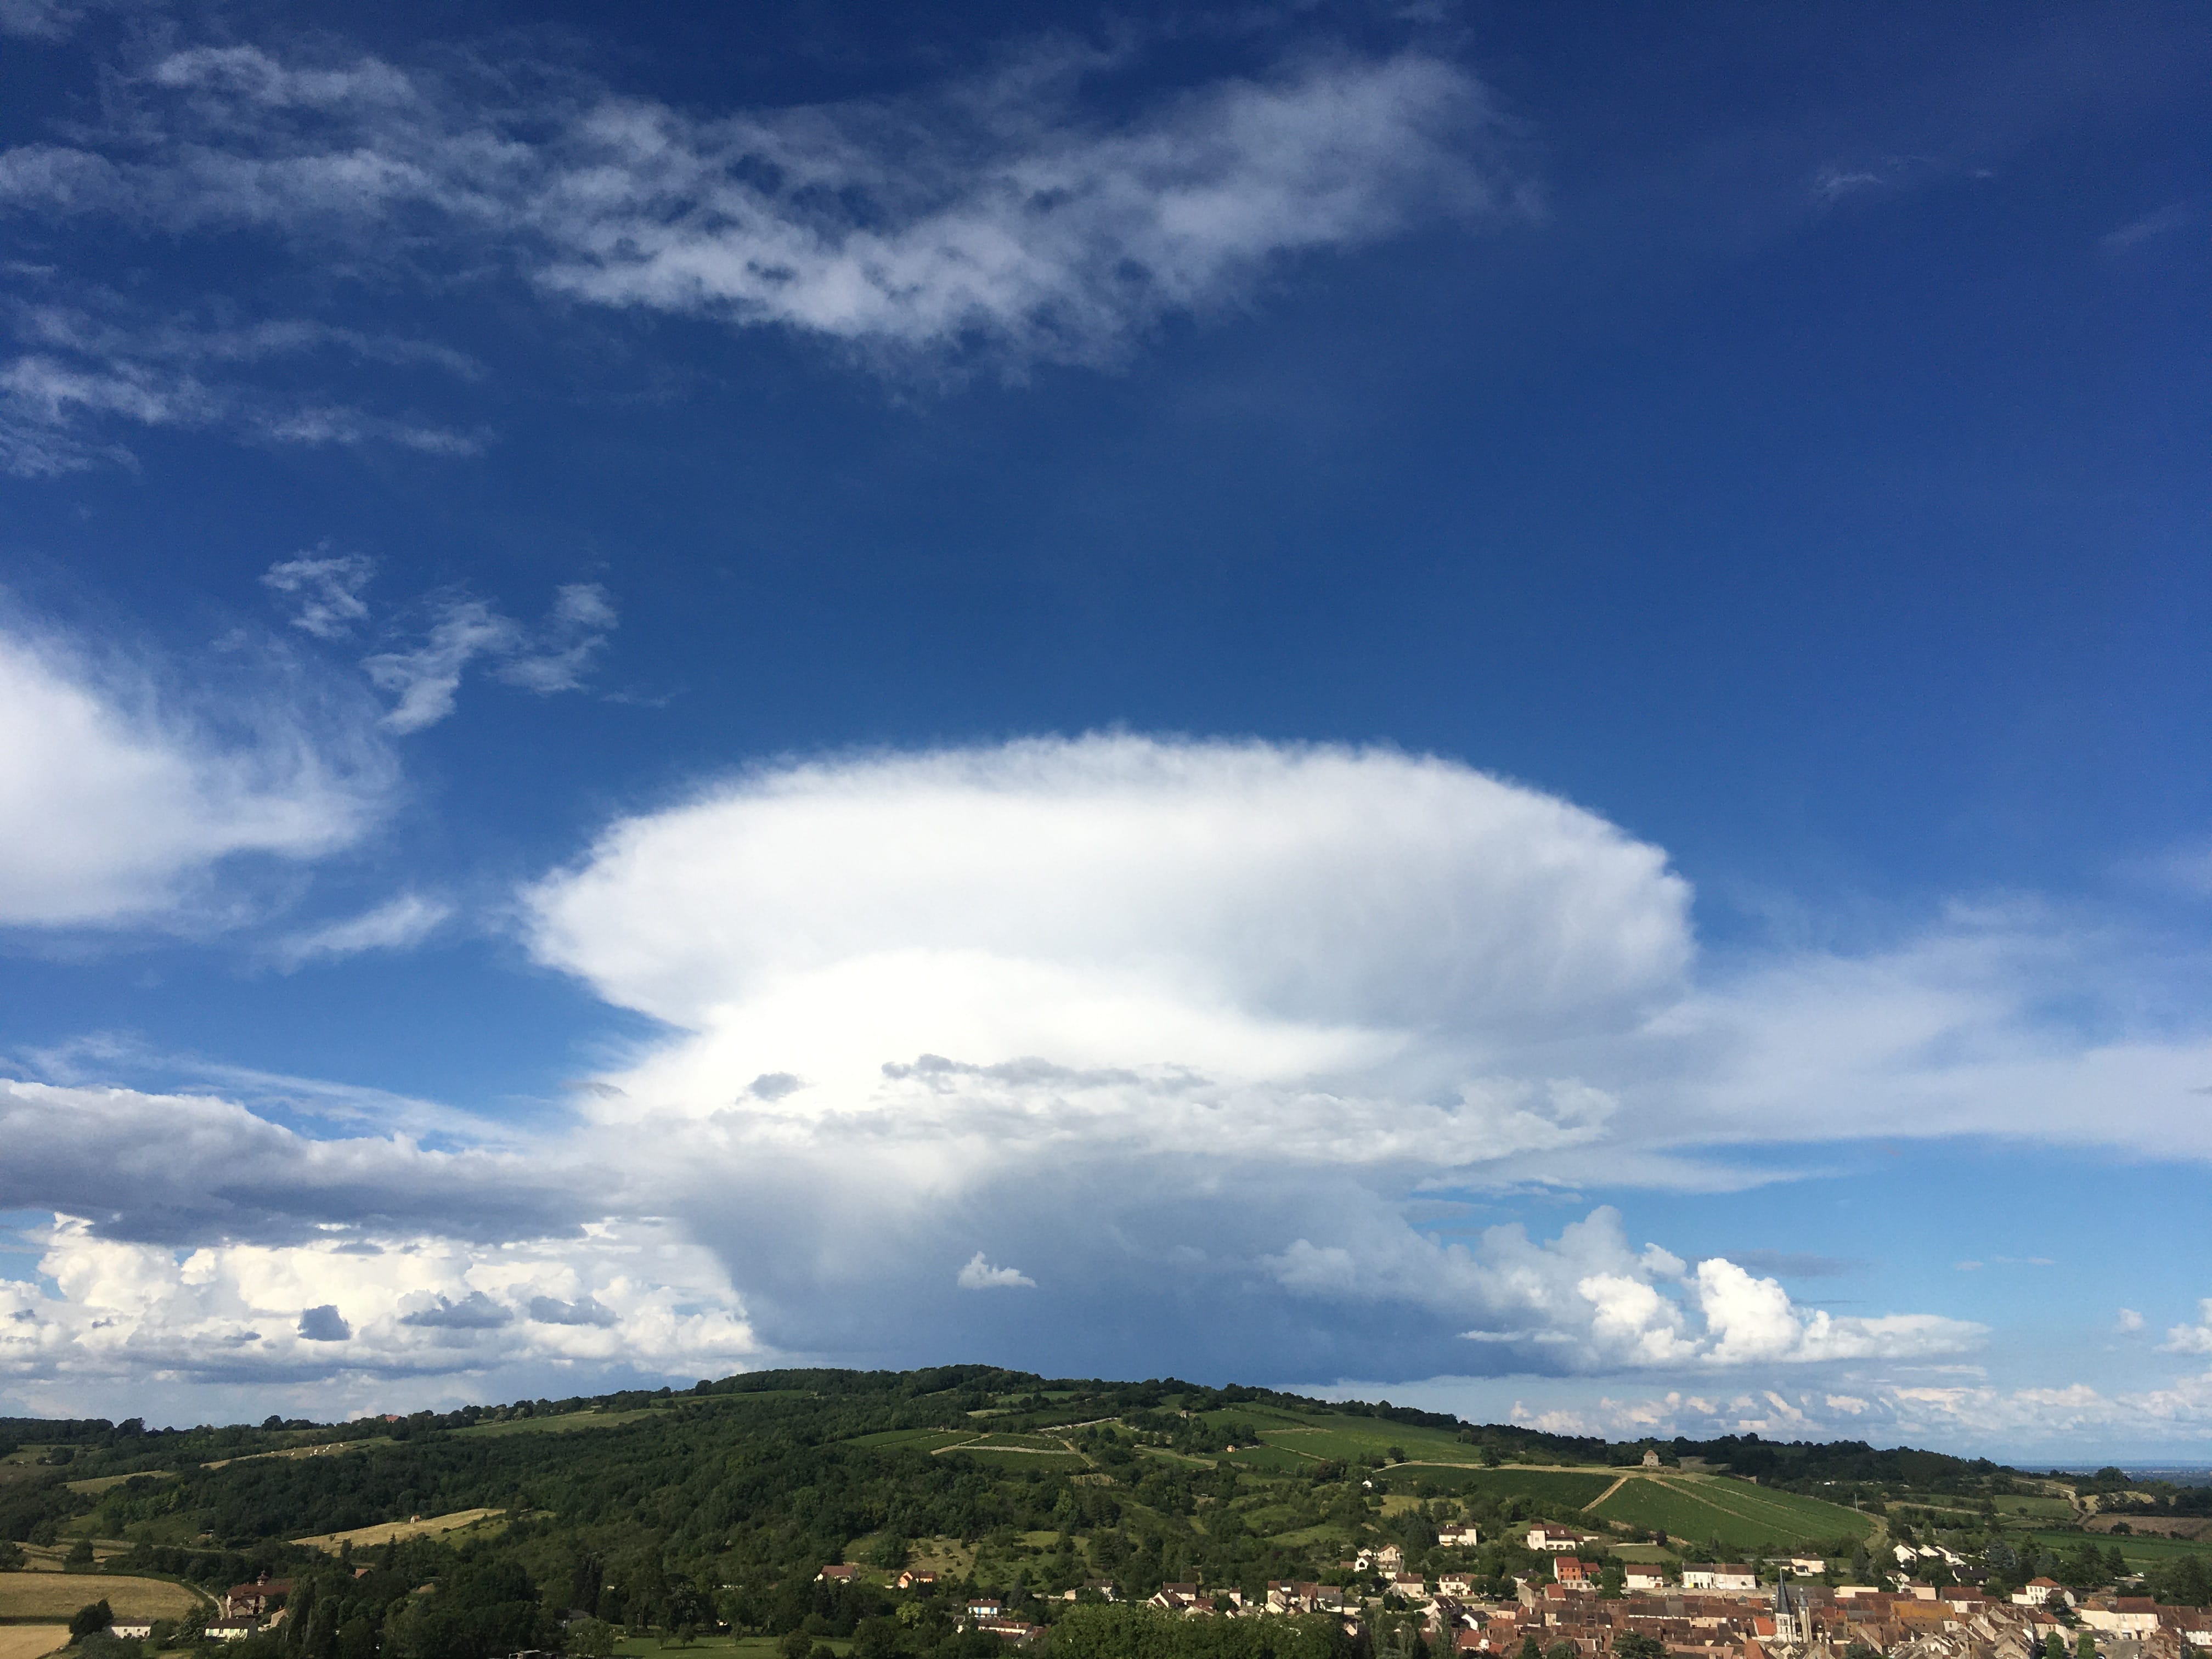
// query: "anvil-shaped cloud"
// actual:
[[1177, 1026]]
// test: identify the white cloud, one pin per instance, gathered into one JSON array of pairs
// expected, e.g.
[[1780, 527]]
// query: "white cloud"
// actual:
[[399, 924], [2173, 216], [50, 20], [2192, 1338], [367, 1309], [572, 636], [1754, 1322], [981, 1275], [1948, 1033], [2129, 1320], [324, 589], [1003, 213], [1279, 916], [1199, 1025], [61, 400], [425, 679], [118, 803]]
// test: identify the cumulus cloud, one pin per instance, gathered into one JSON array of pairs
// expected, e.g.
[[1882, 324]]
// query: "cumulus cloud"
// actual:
[[2128, 1321], [2191, 1338], [1006, 212], [364, 1312], [119, 800], [424, 679], [399, 924], [1753, 1320], [981, 1275], [1590, 1301]]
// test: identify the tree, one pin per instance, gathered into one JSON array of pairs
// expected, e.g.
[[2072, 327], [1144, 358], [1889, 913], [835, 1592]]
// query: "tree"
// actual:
[[11, 1556], [890, 1552], [589, 1638], [86, 1620], [2085, 1645], [1637, 1645], [80, 1554]]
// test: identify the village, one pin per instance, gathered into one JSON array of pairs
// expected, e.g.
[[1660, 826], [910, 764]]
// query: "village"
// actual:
[[1722, 1610]]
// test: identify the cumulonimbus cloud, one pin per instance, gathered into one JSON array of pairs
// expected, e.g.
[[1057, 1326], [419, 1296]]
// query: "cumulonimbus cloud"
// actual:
[[1181, 1025]]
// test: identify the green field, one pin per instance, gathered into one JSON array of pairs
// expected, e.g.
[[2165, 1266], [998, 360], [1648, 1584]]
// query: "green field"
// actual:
[[1353, 1438], [1738, 1514], [563, 1424], [2053, 1508], [914, 1439], [1556, 1493], [102, 1483], [2138, 1551], [1027, 1442], [1065, 1462], [1274, 1459]]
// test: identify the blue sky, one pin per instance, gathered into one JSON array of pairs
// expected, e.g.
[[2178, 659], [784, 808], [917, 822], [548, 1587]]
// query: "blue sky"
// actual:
[[1466, 702]]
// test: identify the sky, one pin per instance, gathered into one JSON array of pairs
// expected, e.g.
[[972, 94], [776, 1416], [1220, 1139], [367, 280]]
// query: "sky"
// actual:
[[1499, 705]]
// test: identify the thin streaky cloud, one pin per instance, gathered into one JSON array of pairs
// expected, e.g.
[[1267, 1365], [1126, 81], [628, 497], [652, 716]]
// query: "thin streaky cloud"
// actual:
[[399, 924], [1000, 216]]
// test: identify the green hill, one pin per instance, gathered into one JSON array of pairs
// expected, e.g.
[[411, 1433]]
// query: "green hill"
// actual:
[[664, 1510]]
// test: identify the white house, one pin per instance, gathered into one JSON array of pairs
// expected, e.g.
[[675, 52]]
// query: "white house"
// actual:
[[132, 1630], [2136, 1623], [1548, 1535], [1642, 1575], [1720, 1576]]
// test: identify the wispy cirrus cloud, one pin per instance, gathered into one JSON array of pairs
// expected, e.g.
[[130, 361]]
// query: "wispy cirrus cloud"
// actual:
[[423, 679], [399, 924], [84, 378], [1005, 215], [324, 590]]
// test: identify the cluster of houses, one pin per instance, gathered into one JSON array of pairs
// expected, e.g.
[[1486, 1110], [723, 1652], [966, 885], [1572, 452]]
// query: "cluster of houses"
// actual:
[[1726, 1614], [1718, 1610]]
